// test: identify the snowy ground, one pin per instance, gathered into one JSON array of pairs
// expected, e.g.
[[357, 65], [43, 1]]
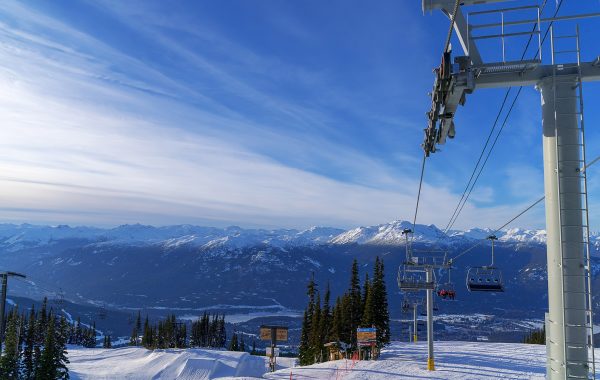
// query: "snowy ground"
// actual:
[[139, 363], [454, 360]]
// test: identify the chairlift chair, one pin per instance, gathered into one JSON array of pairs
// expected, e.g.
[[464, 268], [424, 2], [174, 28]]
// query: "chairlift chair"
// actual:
[[485, 278], [446, 291], [410, 281]]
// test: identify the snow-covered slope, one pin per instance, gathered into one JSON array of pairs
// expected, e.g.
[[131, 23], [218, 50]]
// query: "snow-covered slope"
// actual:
[[139, 363], [453, 360]]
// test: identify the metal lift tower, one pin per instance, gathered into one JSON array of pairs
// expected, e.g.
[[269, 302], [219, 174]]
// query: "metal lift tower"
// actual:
[[569, 323]]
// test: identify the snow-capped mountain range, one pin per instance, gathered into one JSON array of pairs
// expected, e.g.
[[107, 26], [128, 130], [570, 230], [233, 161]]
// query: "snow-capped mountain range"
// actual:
[[14, 236], [189, 268]]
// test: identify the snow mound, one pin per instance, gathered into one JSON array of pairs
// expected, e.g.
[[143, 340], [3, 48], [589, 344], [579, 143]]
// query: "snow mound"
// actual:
[[139, 363]]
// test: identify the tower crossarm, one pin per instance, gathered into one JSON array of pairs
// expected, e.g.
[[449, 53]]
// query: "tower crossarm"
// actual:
[[486, 78], [453, 82]]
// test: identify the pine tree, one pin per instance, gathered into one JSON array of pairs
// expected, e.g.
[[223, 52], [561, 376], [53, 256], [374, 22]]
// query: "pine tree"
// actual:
[[305, 350], [381, 316], [133, 339], [326, 330], [369, 311], [60, 352], [147, 340], [9, 363], [316, 341], [336, 321], [253, 352], [537, 336], [222, 333], [233, 345], [355, 306], [78, 333], [28, 364], [138, 322], [242, 345], [304, 354], [46, 368]]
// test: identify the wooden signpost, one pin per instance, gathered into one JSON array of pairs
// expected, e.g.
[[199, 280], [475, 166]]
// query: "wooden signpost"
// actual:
[[274, 334], [367, 337]]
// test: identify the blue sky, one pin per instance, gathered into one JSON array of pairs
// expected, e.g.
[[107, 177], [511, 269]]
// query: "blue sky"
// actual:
[[255, 113]]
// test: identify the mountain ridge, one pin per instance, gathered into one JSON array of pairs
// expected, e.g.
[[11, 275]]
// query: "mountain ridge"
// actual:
[[17, 235]]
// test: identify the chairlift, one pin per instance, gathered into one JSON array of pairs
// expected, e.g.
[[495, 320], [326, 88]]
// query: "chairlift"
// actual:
[[102, 312], [59, 299], [446, 291], [411, 280], [485, 278]]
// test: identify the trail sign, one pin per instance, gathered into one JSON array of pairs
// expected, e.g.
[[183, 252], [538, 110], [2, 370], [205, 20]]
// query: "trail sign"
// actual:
[[274, 333], [366, 335], [274, 350]]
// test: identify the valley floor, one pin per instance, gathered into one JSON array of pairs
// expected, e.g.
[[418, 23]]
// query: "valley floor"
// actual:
[[454, 360]]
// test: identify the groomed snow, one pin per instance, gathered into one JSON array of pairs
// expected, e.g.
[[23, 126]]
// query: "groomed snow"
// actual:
[[454, 360]]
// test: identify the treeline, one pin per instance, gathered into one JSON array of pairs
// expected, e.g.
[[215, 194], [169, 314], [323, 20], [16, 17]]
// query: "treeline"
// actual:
[[537, 336], [365, 306], [206, 331], [35, 345], [81, 335]]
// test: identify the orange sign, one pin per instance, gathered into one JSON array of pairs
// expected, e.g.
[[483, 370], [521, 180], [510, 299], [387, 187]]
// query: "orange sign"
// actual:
[[366, 335], [281, 333]]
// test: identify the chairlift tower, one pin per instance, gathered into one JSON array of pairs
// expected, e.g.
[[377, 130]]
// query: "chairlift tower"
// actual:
[[410, 279], [569, 322], [4, 278]]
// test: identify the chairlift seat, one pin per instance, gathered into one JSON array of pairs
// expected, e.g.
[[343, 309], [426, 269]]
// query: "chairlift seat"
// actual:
[[410, 284], [485, 279]]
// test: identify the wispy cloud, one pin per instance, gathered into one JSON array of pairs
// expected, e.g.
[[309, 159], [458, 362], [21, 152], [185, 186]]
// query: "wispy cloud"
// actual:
[[93, 134]]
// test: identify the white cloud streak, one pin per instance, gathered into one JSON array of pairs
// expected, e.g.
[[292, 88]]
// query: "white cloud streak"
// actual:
[[80, 143]]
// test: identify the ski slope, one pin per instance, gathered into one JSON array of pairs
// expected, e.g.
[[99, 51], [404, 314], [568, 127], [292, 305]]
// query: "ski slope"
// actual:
[[454, 360]]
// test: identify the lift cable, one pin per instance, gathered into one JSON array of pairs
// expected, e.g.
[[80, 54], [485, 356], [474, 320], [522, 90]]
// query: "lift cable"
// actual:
[[452, 18], [446, 47], [473, 179], [584, 169], [419, 192]]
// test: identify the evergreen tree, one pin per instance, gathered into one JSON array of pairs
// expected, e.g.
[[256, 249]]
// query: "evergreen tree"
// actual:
[[78, 339], [253, 352], [336, 321], [242, 345], [9, 363], [47, 369], [222, 333], [316, 341], [107, 342], [233, 345], [369, 311], [147, 338], [133, 339], [382, 315], [326, 331], [60, 352], [537, 336], [28, 364], [138, 322], [304, 354], [355, 303]]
